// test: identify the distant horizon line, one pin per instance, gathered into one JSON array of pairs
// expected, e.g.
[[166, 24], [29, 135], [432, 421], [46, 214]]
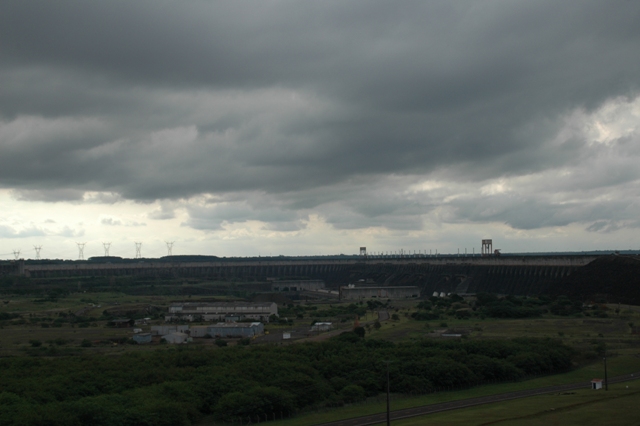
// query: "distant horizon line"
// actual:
[[354, 255]]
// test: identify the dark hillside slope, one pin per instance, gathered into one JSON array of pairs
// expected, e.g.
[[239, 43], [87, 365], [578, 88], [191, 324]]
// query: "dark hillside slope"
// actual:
[[614, 279]]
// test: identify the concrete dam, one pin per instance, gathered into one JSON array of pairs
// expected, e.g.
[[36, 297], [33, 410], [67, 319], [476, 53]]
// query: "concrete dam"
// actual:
[[505, 275]]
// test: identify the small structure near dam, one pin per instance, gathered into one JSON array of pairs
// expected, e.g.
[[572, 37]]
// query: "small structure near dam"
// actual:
[[352, 292]]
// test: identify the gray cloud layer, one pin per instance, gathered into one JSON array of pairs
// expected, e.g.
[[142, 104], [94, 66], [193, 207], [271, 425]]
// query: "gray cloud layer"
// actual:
[[308, 104]]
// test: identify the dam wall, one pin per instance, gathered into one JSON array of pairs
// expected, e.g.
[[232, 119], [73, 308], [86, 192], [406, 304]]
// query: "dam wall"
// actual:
[[504, 275]]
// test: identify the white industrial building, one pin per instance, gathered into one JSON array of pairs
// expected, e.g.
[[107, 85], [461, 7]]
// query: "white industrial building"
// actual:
[[219, 311], [163, 330], [176, 338], [240, 329], [322, 326]]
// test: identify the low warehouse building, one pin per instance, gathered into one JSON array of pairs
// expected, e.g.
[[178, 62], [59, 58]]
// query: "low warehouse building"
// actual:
[[357, 293], [199, 330], [240, 329], [220, 310], [163, 330], [176, 338], [297, 285], [321, 326]]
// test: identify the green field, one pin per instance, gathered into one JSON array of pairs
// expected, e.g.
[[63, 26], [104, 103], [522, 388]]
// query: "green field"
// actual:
[[588, 334], [626, 362], [618, 406]]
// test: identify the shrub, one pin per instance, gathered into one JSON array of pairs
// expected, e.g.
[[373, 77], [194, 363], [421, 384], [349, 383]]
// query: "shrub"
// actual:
[[352, 393], [259, 401]]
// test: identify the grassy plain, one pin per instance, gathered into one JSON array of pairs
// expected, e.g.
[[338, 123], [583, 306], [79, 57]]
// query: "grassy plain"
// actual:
[[627, 362], [583, 333], [16, 335], [618, 407]]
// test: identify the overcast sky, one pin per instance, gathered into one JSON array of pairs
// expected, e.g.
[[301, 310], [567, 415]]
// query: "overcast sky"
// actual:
[[275, 127]]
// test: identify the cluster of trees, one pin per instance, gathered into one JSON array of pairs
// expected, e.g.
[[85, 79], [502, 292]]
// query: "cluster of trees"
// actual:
[[178, 386], [53, 289], [360, 309], [336, 311], [489, 305]]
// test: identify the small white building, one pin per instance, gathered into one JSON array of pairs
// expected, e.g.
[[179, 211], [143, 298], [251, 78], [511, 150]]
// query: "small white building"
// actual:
[[596, 384], [321, 326], [176, 338]]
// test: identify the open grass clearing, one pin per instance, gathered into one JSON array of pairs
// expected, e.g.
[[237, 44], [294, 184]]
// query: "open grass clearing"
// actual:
[[618, 406]]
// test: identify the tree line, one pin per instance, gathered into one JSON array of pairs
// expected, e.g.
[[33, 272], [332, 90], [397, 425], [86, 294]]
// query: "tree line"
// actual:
[[177, 386]]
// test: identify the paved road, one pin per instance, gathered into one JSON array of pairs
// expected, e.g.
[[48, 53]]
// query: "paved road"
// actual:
[[454, 405]]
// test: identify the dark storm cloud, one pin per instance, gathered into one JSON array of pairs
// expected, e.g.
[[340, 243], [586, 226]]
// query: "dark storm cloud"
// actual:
[[252, 207], [158, 100], [51, 195]]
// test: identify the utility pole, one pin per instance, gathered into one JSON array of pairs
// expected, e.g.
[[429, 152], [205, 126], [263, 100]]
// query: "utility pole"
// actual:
[[388, 398], [606, 381], [388, 402]]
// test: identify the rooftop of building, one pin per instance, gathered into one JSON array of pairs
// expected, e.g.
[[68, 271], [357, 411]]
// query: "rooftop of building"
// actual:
[[235, 324], [222, 304]]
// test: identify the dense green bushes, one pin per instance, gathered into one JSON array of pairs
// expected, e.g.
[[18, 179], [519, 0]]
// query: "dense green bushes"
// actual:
[[178, 386]]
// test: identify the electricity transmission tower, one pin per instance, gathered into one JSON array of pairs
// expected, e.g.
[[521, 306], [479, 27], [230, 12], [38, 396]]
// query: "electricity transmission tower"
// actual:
[[106, 249], [16, 254], [169, 247], [37, 249], [81, 250], [138, 250]]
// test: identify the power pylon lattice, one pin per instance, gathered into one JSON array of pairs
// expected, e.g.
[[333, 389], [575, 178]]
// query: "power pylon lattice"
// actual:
[[81, 250], [169, 247], [138, 250], [106, 249], [37, 249], [16, 254]]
